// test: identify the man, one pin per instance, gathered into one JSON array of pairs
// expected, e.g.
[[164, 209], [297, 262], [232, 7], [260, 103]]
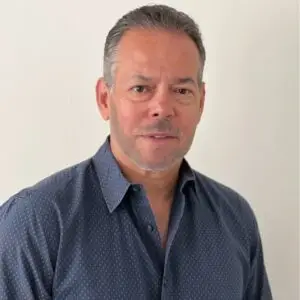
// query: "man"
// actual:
[[136, 221]]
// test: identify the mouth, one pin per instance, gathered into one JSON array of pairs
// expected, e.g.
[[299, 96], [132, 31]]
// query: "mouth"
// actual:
[[160, 137]]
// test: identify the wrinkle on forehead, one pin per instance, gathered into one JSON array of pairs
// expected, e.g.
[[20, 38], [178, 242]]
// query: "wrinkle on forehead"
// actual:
[[157, 53]]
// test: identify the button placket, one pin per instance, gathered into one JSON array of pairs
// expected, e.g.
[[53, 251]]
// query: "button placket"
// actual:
[[145, 214]]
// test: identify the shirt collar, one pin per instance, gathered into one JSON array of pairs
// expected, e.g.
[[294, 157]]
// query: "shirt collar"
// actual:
[[187, 176], [114, 185]]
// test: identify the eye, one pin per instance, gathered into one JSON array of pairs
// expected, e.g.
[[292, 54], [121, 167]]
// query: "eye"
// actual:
[[183, 91], [140, 89]]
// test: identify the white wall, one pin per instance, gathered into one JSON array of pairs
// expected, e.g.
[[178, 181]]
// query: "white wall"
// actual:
[[51, 56]]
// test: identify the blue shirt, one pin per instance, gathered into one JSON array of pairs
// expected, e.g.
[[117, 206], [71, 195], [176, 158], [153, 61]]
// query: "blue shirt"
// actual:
[[87, 233]]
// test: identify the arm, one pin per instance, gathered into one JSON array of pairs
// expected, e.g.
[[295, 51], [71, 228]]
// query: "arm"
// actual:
[[26, 247], [258, 287]]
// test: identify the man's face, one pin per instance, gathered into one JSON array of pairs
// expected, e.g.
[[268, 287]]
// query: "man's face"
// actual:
[[156, 101]]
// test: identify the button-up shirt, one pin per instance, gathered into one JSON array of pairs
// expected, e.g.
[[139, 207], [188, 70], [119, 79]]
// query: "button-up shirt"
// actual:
[[88, 233]]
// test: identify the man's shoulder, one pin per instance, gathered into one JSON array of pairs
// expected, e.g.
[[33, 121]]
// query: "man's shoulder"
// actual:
[[44, 195], [225, 201]]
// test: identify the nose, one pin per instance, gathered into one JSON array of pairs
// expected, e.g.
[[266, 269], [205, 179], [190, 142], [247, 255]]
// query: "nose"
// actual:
[[162, 106]]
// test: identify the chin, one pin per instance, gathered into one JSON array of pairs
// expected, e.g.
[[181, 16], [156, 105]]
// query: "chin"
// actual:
[[154, 168], [155, 165]]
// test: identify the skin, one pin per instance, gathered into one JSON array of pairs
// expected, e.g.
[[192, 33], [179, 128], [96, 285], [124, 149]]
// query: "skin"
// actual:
[[155, 90]]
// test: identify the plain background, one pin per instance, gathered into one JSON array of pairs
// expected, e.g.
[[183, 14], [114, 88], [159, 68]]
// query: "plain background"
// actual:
[[51, 56]]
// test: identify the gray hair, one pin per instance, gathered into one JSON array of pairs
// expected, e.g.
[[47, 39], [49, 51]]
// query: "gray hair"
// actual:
[[149, 17]]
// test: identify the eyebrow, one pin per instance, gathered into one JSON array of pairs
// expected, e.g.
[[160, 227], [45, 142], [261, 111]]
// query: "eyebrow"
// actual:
[[185, 80], [142, 77], [177, 80]]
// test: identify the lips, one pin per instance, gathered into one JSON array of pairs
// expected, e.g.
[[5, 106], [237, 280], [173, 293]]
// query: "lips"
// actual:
[[160, 135], [159, 138]]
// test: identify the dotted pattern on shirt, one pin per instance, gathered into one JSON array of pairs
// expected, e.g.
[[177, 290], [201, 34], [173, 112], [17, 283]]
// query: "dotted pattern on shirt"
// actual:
[[87, 233]]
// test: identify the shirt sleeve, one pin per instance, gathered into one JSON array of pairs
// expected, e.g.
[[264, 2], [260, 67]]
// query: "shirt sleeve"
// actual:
[[258, 286], [26, 249]]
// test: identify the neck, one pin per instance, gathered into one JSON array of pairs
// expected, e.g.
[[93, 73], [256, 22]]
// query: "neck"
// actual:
[[158, 185]]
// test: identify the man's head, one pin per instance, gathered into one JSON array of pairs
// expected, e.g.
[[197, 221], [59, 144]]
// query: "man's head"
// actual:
[[152, 91]]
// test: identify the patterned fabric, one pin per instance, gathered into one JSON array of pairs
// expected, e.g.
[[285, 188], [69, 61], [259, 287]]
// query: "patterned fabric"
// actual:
[[87, 233]]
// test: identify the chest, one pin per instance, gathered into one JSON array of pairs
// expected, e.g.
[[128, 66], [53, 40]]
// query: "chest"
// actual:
[[118, 257]]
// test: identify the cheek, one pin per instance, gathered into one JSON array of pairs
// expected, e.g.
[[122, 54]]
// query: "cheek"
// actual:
[[130, 118], [189, 122], [188, 129]]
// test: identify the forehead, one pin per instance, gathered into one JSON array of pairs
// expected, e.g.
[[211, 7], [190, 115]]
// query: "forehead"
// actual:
[[157, 53]]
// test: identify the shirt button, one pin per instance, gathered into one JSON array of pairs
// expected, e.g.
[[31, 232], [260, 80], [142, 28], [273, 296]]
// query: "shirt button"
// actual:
[[165, 281], [136, 188], [150, 228]]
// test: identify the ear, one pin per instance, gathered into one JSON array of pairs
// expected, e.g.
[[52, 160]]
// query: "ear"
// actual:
[[202, 99], [202, 95], [102, 97]]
